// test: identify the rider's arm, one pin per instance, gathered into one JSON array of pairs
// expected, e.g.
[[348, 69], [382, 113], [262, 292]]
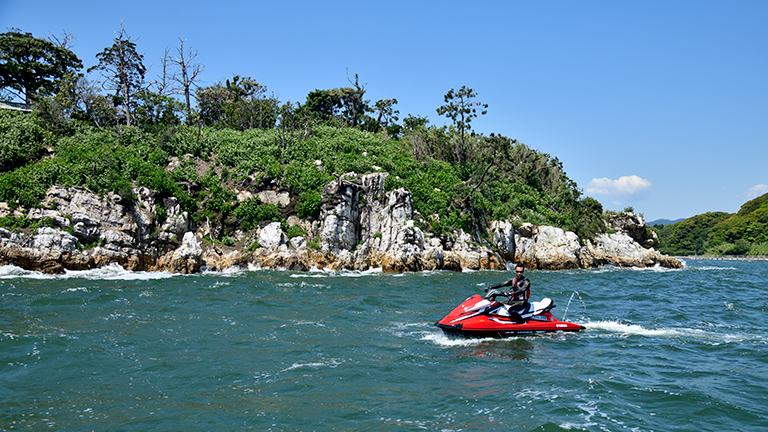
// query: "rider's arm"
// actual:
[[503, 284]]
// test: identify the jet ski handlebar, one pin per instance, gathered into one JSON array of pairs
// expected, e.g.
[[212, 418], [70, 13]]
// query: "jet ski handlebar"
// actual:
[[493, 293]]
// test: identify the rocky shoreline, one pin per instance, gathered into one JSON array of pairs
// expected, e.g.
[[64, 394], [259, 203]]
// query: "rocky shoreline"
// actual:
[[360, 227]]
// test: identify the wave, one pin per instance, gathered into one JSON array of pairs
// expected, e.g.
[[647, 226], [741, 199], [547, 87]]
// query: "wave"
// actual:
[[710, 268], [325, 273], [441, 339], [658, 269], [109, 272], [416, 330], [227, 272], [312, 365], [115, 271], [629, 329], [83, 289], [695, 334], [11, 271]]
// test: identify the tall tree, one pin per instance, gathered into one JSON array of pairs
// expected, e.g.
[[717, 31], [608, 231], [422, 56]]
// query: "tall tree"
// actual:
[[123, 71], [461, 107], [29, 65], [354, 106], [387, 116]]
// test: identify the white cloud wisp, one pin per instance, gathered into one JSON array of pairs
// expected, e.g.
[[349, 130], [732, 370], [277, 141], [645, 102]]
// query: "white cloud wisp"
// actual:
[[624, 186], [756, 190]]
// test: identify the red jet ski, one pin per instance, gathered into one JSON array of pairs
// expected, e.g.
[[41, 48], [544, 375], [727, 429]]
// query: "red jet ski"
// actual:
[[479, 317]]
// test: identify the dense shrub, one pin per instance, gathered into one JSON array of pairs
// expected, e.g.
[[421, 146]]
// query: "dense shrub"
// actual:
[[21, 138], [251, 212]]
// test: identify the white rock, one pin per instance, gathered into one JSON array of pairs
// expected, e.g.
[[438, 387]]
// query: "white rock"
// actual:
[[503, 233], [299, 243], [50, 240], [271, 236], [190, 247]]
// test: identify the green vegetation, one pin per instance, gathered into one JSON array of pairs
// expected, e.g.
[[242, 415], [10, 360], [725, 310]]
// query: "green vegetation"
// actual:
[[742, 233], [21, 138], [239, 137]]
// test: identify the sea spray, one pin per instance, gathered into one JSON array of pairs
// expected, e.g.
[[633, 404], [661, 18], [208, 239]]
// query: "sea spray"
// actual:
[[569, 304]]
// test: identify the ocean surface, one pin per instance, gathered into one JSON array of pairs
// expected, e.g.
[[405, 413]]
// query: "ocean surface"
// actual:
[[111, 350]]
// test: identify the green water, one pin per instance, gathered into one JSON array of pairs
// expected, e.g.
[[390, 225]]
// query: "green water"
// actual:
[[681, 350]]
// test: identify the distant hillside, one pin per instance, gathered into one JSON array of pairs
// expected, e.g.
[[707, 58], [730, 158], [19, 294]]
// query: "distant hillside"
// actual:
[[718, 233], [664, 222]]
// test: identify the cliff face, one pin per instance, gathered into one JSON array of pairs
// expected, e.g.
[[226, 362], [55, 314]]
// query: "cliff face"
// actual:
[[360, 227]]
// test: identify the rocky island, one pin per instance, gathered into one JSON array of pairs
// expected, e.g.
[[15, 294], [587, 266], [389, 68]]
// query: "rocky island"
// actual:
[[360, 227], [153, 182]]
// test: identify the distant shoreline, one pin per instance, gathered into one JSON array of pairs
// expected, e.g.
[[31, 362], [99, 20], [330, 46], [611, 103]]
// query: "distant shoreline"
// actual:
[[725, 257]]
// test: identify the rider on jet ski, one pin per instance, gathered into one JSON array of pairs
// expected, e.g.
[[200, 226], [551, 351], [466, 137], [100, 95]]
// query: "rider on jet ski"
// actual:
[[521, 290]]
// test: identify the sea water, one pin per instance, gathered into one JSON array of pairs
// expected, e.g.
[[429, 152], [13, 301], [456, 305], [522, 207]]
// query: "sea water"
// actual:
[[663, 350]]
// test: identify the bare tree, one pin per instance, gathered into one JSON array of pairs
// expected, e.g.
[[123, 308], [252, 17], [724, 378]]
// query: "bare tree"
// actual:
[[186, 77], [164, 79], [62, 41]]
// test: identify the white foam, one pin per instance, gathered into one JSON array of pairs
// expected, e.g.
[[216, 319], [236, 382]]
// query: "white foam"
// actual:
[[115, 272], [657, 268], [303, 365], [227, 272], [324, 273], [427, 273], [83, 289], [706, 336], [109, 272], [610, 269], [407, 330], [711, 268], [627, 329], [441, 339], [11, 272], [312, 365], [309, 323]]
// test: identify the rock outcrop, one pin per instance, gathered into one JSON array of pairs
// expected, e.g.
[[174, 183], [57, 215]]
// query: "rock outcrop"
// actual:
[[360, 226]]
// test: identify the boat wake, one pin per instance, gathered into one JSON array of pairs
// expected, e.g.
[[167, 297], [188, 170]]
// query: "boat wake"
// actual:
[[716, 336]]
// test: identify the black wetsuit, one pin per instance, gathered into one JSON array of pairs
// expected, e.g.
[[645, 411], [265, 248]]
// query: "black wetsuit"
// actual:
[[521, 292]]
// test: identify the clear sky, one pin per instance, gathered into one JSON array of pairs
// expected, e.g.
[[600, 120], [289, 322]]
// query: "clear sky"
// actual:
[[658, 105]]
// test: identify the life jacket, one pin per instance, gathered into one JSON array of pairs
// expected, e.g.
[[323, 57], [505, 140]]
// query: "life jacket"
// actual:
[[525, 285]]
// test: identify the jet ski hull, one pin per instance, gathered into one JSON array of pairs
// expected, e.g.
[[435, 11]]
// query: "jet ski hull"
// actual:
[[476, 318]]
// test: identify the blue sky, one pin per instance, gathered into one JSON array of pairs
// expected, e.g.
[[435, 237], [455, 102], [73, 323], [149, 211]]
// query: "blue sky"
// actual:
[[658, 105]]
